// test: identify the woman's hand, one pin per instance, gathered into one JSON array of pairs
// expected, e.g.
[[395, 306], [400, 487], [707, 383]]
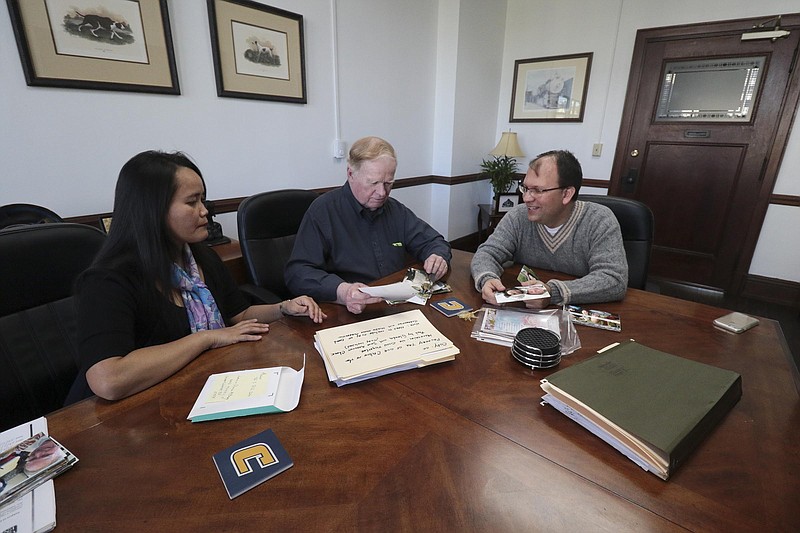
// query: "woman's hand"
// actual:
[[244, 331], [303, 306]]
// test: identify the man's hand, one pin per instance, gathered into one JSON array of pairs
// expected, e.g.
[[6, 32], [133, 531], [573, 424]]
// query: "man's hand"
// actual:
[[540, 303], [348, 294], [436, 265], [491, 286]]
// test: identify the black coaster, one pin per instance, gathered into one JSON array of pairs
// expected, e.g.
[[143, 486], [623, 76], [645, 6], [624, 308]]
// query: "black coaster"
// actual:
[[536, 365], [537, 348]]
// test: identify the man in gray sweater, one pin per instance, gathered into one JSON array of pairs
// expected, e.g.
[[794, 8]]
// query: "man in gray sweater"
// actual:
[[555, 231]]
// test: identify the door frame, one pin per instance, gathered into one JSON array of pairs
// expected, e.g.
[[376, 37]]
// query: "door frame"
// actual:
[[777, 147]]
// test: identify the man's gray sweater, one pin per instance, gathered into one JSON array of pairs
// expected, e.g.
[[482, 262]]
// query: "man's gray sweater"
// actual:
[[588, 245]]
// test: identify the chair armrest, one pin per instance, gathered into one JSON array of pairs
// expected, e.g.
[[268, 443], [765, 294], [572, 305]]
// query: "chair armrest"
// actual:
[[259, 295]]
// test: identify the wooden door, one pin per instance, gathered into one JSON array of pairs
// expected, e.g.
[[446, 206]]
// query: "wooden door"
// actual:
[[706, 168]]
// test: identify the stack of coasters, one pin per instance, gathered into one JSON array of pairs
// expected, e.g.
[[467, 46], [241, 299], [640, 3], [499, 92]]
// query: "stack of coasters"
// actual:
[[537, 348]]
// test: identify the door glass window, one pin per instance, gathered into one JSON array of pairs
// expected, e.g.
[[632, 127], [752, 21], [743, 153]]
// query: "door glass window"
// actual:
[[710, 90]]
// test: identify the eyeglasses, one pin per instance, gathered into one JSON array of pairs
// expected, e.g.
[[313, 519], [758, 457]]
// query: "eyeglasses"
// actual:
[[535, 191]]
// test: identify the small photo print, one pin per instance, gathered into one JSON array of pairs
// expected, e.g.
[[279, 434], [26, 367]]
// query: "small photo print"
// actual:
[[594, 318]]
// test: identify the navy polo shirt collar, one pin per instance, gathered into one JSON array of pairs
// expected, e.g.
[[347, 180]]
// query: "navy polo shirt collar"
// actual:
[[357, 207]]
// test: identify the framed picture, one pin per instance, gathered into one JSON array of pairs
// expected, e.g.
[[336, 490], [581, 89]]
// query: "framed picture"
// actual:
[[258, 51], [507, 201], [117, 45], [105, 223], [550, 89]]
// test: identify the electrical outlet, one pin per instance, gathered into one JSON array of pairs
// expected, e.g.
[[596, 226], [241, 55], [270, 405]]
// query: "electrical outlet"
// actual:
[[597, 149]]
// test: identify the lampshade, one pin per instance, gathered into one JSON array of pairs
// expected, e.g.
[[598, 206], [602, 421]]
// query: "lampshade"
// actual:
[[508, 146]]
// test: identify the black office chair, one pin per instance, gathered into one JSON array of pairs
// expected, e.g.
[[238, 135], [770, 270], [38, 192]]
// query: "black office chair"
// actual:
[[636, 222], [268, 223], [22, 214], [38, 347]]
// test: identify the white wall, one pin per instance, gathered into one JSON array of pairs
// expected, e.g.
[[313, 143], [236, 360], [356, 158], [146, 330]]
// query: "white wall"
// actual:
[[537, 28], [433, 77], [63, 148]]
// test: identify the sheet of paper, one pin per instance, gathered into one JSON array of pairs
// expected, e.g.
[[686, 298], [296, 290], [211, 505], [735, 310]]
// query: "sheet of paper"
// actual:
[[402, 290], [242, 386]]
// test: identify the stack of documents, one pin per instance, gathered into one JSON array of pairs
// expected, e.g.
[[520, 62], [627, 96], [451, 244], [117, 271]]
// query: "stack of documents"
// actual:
[[372, 348], [651, 406]]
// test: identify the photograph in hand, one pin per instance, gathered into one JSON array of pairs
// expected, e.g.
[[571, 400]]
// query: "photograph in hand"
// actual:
[[522, 293]]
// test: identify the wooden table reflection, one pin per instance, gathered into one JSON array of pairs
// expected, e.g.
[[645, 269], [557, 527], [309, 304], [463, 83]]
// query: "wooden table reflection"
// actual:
[[457, 446]]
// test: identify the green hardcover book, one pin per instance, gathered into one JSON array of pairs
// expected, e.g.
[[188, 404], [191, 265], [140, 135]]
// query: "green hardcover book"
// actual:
[[651, 406]]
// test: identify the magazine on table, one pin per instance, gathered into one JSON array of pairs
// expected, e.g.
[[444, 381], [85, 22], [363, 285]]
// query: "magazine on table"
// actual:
[[29, 463], [33, 511]]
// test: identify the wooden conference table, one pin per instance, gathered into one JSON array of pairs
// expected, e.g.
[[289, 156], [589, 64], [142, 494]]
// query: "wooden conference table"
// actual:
[[459, 446]]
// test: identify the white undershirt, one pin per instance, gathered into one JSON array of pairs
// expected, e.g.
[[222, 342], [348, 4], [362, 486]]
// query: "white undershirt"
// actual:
[[552, 231]]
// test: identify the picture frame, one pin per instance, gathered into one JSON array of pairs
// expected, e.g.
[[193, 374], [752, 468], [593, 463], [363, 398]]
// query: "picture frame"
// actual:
[[507, 201], [114, 45], [550, 89], [105, 223], [258, 51]]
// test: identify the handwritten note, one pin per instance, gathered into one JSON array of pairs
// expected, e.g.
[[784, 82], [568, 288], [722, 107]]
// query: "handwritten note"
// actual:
[[240, 386], [383, 343]]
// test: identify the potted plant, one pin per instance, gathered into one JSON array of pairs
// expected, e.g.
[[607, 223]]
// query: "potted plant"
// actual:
[[502, 173]]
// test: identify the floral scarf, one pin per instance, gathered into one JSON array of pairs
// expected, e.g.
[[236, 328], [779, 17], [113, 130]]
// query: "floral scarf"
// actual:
[[197, 298]]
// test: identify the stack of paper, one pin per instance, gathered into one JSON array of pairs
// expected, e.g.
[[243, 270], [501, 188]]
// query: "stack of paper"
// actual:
[[372, 348], [500, 326], [651, 406]]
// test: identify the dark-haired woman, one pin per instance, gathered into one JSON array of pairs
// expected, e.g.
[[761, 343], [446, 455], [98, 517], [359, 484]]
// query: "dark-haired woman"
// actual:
[[156, 297]]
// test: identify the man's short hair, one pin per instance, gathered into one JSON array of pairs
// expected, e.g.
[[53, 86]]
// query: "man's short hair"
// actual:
[[569, 169], [367, 149]]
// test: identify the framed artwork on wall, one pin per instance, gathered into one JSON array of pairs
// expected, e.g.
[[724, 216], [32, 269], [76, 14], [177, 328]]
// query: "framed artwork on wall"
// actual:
[[507, 201], [550, 89], [258, 51], [115, 45]]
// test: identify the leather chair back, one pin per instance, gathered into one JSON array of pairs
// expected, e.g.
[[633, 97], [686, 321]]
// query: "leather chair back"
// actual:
[[20, 214], [268, 223], [38, 323], [636, 222], [40, 262]]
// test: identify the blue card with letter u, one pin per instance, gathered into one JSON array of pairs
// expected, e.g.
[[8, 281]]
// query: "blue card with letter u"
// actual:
[[251, 462], [451, 306]]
